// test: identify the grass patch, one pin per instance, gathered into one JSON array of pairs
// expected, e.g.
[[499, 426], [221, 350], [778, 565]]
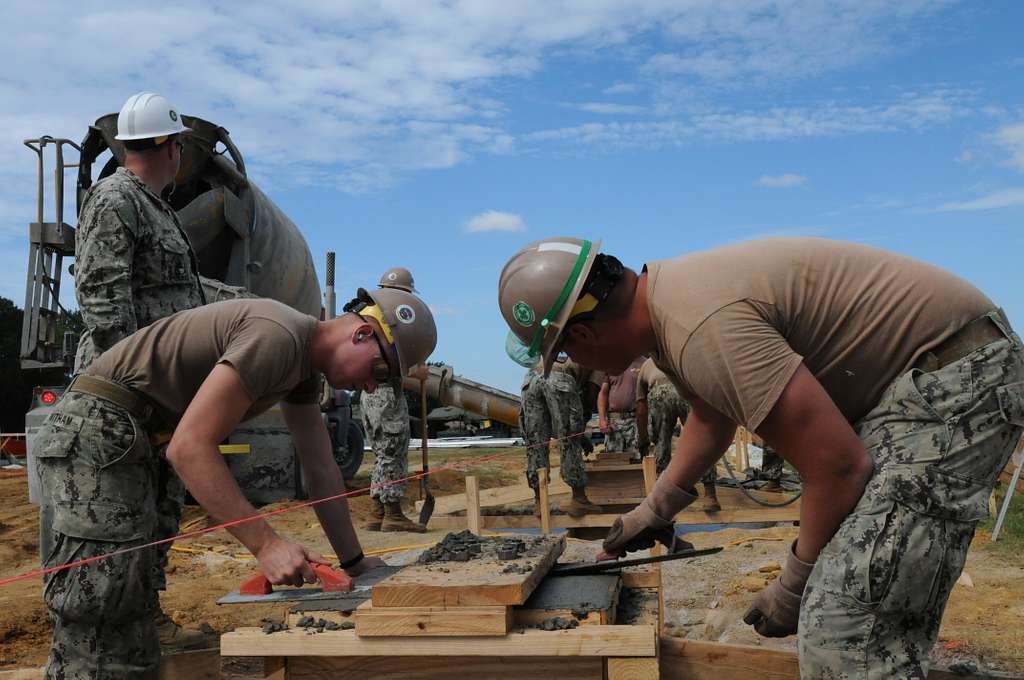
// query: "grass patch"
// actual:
[[1011, 536]]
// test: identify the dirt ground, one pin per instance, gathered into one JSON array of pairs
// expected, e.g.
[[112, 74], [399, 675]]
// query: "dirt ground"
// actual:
[[705, 597]]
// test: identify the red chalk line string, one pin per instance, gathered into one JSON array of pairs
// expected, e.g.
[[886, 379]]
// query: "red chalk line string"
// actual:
[[199, 532]]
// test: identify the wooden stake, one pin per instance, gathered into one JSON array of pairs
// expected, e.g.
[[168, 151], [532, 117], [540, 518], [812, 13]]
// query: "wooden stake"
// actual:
[[545, 511], [423, 436], [473, 504], [650, 478]]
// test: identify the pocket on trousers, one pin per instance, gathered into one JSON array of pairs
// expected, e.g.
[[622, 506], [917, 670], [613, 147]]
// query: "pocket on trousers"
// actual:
[[59, 436], [1011, 403], [113, 588], [112, 439]]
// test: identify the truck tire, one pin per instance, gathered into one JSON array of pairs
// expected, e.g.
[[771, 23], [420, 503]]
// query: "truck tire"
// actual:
[[352, 457]]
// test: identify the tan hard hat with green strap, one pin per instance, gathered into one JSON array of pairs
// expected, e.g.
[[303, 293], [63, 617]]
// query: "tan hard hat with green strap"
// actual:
[[398, 277], [538, 293], [407, 323]]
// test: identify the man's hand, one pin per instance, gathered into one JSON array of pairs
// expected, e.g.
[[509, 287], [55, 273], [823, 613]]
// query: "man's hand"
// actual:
[[776, 611], [364, 565], [604, 426], [286, 563], [648, 522]]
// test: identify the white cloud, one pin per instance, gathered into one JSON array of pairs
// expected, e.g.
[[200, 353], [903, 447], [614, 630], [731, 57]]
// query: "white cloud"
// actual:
[[1006, 198], [492, 220], [909, 111], [441, 309], [621, 88], [786, 181], [608, 108], [1011, 138]]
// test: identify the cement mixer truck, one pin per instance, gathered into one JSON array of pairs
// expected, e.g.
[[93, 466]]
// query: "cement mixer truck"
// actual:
[[245, 245]]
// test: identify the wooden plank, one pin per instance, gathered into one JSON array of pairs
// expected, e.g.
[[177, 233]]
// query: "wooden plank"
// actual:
[[701, 660], [615, 484], [473, 504], [583, 641], [447, 667], [405, 621], [502, 495], [650, 479], [479, 582], [200, 664], [632, 669], [603, 458], [542, 498], [641, 577], [790, 513]]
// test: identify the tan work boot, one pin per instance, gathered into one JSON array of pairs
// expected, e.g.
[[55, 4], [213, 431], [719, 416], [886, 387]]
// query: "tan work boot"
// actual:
[[710, 503], [174, 638], [395, 520], [376, 515], [580, 505]]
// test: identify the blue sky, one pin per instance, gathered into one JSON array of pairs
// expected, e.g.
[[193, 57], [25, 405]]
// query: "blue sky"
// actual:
[[442, 136]]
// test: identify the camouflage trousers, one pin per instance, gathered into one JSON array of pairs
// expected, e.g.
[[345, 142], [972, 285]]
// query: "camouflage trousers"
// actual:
[[102, 478], [664, 407], [551, 407], [386, 423], [623, 435], [874, 601]]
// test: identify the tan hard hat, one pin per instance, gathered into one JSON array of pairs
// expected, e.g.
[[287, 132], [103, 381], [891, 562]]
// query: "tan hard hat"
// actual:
[[409, 324], [398, 277], [538, 289]]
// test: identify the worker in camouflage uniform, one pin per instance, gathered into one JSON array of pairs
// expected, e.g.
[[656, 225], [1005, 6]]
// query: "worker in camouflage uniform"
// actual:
[[385, 415], [894, 388], [551, 408], [134, 265], [658, 408], [198, 374], [616, 409]]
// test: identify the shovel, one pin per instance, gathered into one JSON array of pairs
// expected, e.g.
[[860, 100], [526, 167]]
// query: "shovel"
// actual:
[[428, 504]]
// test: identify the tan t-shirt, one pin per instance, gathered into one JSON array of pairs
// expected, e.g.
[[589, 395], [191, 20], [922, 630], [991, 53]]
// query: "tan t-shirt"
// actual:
[[649, 376], [734, 323], [265, 341], [622, 388]]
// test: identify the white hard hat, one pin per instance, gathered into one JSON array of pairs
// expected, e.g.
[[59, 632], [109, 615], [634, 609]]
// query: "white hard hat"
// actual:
[[148, 115]]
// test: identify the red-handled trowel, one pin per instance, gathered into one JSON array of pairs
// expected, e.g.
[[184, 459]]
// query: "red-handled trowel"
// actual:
[[333, 583]]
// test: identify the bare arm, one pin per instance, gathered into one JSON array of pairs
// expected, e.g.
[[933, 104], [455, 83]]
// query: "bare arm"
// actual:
[[642, 435], [324, 479], [602, 408], [217, 408], [808, 430]]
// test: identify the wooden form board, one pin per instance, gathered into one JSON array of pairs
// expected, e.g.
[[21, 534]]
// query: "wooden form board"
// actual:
[[583, 641], [632, 669], [447, 667], [199, 664], [790, 513], [432, 621], [502, 495], [701, 660], [615, 483], [479, 582]]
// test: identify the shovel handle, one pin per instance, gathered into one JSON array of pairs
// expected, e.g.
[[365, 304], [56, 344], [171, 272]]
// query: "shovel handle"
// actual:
[[331, 580]]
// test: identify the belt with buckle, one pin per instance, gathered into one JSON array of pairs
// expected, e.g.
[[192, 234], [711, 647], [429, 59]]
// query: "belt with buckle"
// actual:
[[130, 400], [974, 335]]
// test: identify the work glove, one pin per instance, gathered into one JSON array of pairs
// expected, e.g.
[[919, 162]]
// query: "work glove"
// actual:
[[650, 521], [643, 445], [776, 611]]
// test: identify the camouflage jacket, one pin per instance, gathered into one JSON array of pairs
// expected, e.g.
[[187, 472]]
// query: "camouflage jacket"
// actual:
[[134, 263]]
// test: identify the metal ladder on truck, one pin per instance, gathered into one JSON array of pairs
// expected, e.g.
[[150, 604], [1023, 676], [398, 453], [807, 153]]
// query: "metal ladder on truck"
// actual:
[[49, 244]]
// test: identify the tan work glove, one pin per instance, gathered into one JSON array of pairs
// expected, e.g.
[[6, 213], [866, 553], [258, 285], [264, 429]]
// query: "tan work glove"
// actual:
[[776, 611], [648, 522]]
